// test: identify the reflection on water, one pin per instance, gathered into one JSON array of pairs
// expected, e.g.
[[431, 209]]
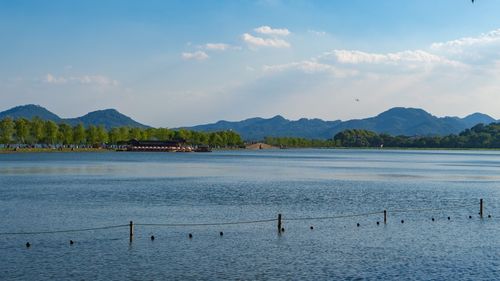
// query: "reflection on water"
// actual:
[[74, 190]]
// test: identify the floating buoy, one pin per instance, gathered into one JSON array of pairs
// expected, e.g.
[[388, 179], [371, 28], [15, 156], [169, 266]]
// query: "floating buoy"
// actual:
[[282, 229], [402, 221], [432, 219], [311, 227], [28, 244], [71, 242], [221, 233], [357, 224], [152, 237], [470, 217], [489, 216], [449, 218], [190, 235], [378, 223]]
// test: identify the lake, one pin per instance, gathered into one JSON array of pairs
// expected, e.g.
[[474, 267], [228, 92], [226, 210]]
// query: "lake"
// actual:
[[63, 191]]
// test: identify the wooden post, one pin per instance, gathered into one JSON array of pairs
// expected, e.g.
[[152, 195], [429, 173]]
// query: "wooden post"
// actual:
[[481, 207], [131, 227], [385, 216], [279, 223]]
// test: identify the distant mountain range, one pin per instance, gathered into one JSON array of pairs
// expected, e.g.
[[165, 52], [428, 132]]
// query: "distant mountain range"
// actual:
[[395, 121], [109, 118]]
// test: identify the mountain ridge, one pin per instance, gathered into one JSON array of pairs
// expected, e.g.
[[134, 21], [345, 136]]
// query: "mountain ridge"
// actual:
[[394, 121], [109, 118]]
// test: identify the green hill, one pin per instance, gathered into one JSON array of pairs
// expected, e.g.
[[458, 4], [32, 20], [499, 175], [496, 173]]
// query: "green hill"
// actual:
[[395, 121], [109, 118]]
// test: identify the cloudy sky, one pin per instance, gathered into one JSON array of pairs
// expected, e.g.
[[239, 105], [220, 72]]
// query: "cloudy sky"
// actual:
[[173, 63]]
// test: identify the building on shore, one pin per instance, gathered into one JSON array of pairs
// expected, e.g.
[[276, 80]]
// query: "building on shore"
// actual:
[[179, 145], [153, 145]]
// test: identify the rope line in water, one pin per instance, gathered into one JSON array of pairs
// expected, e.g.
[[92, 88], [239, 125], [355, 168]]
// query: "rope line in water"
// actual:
[[64, 231], [430, 209], [205, 224], [240, 222], [333, 217]]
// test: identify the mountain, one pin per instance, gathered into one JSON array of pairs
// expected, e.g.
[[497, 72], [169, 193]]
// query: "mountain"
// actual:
[[477, 118], [109, 118], [406, 121], [29, 111], [258, 128], [395, 121]]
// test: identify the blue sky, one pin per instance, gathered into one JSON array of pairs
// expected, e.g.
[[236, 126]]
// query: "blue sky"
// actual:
[[174, 63]]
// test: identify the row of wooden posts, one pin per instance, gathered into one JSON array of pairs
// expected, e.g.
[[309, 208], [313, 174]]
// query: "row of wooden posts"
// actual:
[[280, 224]]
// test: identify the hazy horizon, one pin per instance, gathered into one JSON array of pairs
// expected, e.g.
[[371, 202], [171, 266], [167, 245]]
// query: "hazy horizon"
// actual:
[[181, 63]]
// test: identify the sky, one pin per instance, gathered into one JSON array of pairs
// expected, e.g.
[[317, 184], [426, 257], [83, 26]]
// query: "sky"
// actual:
[[179, 63]]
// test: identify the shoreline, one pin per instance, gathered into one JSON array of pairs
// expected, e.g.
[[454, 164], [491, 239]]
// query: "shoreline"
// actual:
[[105, 150], [52, 150]]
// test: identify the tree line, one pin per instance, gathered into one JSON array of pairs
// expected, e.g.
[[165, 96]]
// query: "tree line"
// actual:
[[479, 136], [23, 131], [291, 142]]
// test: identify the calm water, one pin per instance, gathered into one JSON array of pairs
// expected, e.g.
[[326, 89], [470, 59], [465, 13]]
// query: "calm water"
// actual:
[[77, 190]]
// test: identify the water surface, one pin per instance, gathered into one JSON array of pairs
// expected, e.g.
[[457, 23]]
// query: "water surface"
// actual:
[[52, 191]]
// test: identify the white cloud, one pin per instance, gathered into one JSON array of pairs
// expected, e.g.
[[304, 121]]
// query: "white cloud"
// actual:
[[51, 79], [317, 33], [198, 55], [267, 30], [98, 80], [264, 42], [217, 46], [409, 56], [306, 66], [483, 39], [474, 51], [310, 67], [95, 79], [348, 63]]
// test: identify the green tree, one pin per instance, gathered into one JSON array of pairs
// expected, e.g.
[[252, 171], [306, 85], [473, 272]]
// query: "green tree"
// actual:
[[114, 135], [163, 134], [51, 132], [135, 133], [65, 134], [233, 139], [182, 134], [124, 134], [149, 134], [6, 130], [92, 135], [79, 134], [215, 140], [22, 127], [102, 135], [37, 130]]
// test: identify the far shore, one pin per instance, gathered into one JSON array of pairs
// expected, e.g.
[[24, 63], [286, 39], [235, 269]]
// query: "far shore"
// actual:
[[56, 150], [106, 150]]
